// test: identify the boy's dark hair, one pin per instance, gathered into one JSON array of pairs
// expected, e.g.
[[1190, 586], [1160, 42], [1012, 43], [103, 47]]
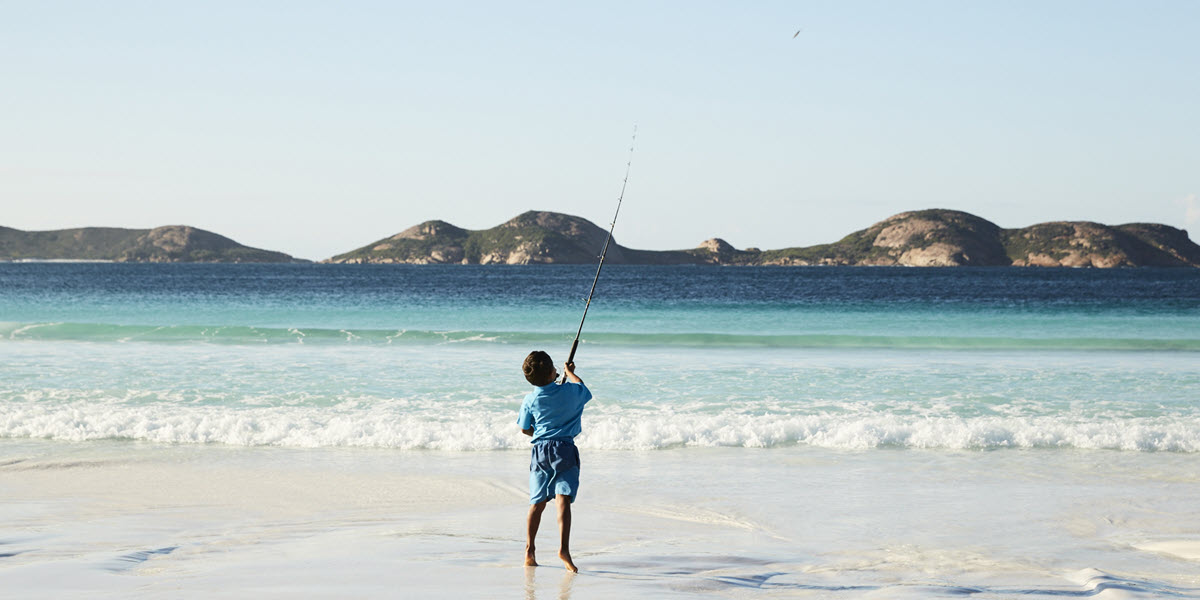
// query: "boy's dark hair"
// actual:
[[538, 368]]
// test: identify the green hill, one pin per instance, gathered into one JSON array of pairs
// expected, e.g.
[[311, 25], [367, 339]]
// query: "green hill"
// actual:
[[924, 238], [533, 237], [173, 243]]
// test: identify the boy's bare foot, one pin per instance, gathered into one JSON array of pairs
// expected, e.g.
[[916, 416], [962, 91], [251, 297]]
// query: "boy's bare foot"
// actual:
[[530, 561], [566, 558]]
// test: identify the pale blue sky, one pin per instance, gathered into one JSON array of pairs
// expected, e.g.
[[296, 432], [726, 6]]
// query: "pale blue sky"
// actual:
[[315, 128]]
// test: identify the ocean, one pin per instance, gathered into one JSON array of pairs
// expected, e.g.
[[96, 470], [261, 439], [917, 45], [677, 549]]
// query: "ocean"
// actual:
[[755, 432]]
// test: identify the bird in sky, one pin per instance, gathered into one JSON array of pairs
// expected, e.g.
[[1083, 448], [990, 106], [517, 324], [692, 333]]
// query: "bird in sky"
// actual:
[[797, 33]]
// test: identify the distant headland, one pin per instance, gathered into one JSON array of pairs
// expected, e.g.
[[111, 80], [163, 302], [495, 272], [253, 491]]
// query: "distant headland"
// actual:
[[173, 243], [923, 238]]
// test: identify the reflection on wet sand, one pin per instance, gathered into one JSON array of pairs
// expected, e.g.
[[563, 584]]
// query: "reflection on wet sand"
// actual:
[[564, 585]]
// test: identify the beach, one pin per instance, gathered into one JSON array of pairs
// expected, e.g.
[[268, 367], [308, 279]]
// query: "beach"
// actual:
[[233, 431], [195, 521]]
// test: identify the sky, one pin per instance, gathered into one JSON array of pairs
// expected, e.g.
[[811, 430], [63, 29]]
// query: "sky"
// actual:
[[314, 128]]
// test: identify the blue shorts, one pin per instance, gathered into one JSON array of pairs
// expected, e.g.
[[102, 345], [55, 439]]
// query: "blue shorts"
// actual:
[[553, 469]]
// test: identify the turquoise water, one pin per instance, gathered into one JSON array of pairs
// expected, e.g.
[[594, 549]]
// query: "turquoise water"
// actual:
[[426, 357]]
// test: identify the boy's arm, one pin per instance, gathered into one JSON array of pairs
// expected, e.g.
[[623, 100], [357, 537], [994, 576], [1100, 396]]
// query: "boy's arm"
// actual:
[[571, 376], [586, 394], [528, 432]]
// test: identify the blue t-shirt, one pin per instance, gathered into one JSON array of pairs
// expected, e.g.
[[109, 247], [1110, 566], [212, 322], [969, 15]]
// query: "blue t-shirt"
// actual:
[[553, 411]]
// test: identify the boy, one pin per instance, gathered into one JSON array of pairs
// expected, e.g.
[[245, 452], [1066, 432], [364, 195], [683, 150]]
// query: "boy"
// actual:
[[551, 415]]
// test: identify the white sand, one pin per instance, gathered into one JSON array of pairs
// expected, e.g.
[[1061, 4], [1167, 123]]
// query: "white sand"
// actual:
[[143, 520], [1189, 549]]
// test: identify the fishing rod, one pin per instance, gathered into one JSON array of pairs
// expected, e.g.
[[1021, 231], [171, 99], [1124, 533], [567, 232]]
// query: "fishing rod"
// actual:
[[604, 252]]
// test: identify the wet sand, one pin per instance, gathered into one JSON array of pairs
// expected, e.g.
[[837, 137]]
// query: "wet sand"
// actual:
[[121, 519]]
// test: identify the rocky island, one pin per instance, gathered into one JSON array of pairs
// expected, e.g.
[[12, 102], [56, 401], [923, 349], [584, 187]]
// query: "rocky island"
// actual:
[[173, 243], [925, 238]]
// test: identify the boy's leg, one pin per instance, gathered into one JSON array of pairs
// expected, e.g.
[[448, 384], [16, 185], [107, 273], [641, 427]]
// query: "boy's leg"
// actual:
[[531, 529], [564, 529]]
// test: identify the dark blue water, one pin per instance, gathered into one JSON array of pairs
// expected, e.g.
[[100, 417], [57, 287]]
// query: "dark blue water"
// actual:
[[1155, 289], [1138, 308]]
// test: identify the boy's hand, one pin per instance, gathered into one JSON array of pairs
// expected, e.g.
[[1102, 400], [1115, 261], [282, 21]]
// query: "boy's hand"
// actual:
[[571, 376]]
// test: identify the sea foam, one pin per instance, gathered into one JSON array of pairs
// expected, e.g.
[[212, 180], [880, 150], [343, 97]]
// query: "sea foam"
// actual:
[[384, 425]]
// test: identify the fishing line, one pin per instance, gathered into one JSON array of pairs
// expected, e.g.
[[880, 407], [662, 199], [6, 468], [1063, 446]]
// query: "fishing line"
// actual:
[[604, 252]]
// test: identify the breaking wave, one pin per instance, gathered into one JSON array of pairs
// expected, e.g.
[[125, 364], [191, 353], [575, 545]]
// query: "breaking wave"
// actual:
[[466, 428]]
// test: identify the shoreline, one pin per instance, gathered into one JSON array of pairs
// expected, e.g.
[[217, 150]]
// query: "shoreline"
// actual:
[[130, 519]]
